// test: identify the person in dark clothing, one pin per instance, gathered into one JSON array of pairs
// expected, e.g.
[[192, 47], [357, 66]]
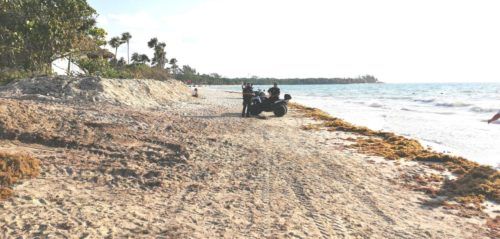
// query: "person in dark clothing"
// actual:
[[274, 93], [494, 118], [247, 99]]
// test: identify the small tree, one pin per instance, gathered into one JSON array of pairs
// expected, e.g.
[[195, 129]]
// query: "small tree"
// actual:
[[121, 62], [93, 57], [140, 58], [189, 74], [173, 63]]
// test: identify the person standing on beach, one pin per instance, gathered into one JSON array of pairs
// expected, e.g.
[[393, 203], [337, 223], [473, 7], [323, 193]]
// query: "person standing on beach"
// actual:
[[274, 93], [247, 99], [494, 118]]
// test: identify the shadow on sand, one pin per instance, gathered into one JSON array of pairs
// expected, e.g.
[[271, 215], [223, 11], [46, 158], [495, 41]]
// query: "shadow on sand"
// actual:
[[226, 115]]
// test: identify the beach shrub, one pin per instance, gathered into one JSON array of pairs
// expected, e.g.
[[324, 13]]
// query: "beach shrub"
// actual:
[[14, 167], [106, 69], [142, 71], [8, 75]]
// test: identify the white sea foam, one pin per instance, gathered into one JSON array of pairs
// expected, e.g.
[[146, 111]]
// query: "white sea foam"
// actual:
[[376, 105], [483, 110], [425, 100], [453, 104]]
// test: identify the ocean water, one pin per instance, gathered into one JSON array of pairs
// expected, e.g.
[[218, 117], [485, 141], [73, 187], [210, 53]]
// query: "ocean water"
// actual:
[[450, 118]]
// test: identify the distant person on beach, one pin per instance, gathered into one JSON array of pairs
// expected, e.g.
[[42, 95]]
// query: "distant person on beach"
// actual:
[[274, 93], [247, 99], [195, 92], [495, 118]]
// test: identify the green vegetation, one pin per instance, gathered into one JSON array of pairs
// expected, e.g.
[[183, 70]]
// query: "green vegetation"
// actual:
[[189, 75], [34, 33]]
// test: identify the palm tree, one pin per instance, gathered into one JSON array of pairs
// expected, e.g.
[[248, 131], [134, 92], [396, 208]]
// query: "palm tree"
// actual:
[[144, 58], [153, 42], [121, 62], [115, 42], [159, 58], [140, 59], [160, 54], [126, 38], [135, 58]]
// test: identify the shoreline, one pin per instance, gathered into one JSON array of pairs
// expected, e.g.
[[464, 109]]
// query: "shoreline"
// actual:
[[457, 128], [394, 147], [197, 169], [445, 147]]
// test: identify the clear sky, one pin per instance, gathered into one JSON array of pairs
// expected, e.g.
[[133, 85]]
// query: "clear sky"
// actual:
[[395, 40]]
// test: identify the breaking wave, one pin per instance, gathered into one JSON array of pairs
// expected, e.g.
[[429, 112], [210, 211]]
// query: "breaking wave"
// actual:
[[454, 104], [478, 109], [425, 100]]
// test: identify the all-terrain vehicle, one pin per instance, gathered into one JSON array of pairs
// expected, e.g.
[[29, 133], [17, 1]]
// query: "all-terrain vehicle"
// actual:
[[260, 102]]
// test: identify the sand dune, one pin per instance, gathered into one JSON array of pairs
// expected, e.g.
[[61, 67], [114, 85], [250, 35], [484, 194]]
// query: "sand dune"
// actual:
[[129, 92]]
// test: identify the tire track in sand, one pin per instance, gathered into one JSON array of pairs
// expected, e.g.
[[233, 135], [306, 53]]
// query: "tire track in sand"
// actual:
[[329, 226]]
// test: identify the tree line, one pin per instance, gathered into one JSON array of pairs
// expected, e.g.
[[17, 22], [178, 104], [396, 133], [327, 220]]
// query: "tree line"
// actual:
[[35, 33], [190, 76]]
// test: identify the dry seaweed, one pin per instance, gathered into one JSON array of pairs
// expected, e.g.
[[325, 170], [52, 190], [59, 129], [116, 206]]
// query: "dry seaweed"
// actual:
[[477, 183], [494, 225], [457, 165], [14, 167], [394, 147], [311, 127]]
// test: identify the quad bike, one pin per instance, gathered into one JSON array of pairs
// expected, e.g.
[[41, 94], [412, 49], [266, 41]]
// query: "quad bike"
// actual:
[[262, 103]]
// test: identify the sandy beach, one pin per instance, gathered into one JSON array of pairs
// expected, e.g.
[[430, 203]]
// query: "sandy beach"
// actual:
[[193, 168]]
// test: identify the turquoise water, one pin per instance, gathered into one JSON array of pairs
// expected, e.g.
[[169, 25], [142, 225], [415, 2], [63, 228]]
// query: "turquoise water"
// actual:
[[447, 117]]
